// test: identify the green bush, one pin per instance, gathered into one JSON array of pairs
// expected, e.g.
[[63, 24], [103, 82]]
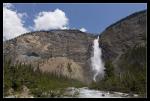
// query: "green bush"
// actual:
[[109, 71]]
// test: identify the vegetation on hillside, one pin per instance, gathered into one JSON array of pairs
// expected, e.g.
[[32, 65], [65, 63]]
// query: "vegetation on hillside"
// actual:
[[132, 75], [130, 79], [18, 75]]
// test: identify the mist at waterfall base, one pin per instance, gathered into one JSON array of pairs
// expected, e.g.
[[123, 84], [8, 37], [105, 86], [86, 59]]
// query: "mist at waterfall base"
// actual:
[[96, 61]]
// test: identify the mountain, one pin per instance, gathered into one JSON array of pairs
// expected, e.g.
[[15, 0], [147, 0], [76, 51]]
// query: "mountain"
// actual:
[[124, 45], [64, 47], [123, 35], [67, 53], [64, 52]]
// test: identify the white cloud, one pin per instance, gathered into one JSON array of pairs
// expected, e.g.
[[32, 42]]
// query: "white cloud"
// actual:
[[13, 25], [8, 5], [51, 20], [83, 30]]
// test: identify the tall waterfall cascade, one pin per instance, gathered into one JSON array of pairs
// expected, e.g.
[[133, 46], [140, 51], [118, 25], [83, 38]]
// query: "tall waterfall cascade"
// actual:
[[96, 60]]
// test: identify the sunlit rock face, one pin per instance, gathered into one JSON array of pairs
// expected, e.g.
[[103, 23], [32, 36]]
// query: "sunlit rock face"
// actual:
[[71, 46]]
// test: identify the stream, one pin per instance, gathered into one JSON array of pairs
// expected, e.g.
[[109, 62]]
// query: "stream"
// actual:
[[90, 93], [84, 92]]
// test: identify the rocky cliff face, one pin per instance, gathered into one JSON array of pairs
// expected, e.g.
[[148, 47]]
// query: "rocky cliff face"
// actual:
[[54, 51], [123, 35]]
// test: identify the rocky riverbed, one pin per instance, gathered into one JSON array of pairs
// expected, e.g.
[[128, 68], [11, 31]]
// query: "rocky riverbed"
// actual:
[[90, 93], [83, 92]]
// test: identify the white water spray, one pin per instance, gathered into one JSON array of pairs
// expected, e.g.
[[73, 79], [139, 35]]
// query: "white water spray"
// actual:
[[96, 60]]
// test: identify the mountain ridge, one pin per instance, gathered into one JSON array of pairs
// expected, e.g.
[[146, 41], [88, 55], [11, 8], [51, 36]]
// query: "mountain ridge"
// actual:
[[123, 35], [41, 46]]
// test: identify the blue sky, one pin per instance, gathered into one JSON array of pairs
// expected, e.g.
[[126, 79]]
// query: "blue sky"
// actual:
[[93, 17]]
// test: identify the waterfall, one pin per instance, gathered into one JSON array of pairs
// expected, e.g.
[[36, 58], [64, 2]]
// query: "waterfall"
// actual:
[[96, 60]]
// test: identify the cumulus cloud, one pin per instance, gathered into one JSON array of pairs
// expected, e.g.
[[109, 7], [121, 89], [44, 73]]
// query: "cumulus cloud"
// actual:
[[13, 25], [8, 5], [51, 20], [83, 30]]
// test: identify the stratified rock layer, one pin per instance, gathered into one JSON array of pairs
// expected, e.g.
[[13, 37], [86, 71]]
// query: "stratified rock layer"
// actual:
[[65, 47]]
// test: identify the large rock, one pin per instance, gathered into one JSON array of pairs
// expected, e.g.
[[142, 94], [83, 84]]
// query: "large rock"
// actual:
[[62, 66]]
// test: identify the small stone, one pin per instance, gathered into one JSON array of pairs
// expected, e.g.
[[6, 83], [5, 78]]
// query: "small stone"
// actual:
[[103, 94], [131, 94]]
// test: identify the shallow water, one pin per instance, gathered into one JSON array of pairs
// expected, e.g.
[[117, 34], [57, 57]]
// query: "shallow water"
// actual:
[[88, 93]]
